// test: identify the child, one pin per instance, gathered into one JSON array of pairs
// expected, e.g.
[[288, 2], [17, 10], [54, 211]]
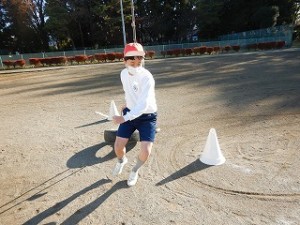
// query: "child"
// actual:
[[139, 113]]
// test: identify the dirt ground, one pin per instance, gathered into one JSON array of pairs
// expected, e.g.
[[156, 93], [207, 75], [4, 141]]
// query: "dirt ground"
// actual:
[[56, 167]]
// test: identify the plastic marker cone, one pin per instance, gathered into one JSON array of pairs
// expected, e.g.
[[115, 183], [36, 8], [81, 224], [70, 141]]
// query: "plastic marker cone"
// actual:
[[113, 110], [212, 154]]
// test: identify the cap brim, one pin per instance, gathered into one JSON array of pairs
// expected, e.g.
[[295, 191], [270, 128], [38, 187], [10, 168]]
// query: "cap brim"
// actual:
[[134, 53]]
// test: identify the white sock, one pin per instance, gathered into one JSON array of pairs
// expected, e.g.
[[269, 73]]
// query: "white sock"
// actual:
[[138, 165], [122, 159]]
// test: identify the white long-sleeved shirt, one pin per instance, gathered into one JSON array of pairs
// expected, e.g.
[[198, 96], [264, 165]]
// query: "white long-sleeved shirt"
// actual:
[[139, 93]]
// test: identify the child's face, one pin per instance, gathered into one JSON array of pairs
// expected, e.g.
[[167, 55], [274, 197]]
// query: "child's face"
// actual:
[[134, 61]]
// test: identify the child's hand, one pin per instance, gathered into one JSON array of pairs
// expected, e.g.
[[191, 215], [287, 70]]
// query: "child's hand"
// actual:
[[118, 119]]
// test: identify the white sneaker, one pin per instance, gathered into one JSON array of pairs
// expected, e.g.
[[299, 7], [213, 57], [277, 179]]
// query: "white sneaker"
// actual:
[[133, 177], [119, 167]]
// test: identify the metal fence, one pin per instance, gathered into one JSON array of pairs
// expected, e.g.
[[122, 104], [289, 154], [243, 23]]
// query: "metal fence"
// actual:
[[243, 39], [271, 32]]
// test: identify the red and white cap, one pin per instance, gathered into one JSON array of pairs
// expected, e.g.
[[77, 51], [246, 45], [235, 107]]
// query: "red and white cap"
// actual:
[[134, 49]]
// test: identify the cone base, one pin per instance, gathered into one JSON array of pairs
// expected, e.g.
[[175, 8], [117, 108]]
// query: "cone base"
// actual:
[[213, 162]]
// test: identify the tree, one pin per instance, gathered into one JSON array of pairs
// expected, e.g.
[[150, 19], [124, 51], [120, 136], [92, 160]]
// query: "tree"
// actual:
[[88, 23], [4, 34], [24, 22], [111, 27], [266, 17], [164, 21], [58, 23], [243, 15], [38, 15], [27, 25], [208, 18]]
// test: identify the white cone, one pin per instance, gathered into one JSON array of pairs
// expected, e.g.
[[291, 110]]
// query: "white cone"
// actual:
[[113, 110], [212, 154]]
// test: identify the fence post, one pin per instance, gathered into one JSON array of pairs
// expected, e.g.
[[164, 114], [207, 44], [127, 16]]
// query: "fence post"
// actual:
[[1, 62]]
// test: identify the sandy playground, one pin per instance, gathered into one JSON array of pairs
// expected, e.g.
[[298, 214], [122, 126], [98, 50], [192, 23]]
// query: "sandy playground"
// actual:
[[56, 167]]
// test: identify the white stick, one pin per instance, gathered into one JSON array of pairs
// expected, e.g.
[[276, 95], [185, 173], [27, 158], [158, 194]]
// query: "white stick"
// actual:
[[102, 114]]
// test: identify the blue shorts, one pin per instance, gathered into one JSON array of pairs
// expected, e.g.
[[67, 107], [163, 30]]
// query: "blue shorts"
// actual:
[[145, 124]]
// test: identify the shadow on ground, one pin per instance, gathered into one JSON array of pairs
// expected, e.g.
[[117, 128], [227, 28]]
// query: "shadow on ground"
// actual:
[[241, 79], [84, 211], [87, 157], [195, 166], [94, 123]]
